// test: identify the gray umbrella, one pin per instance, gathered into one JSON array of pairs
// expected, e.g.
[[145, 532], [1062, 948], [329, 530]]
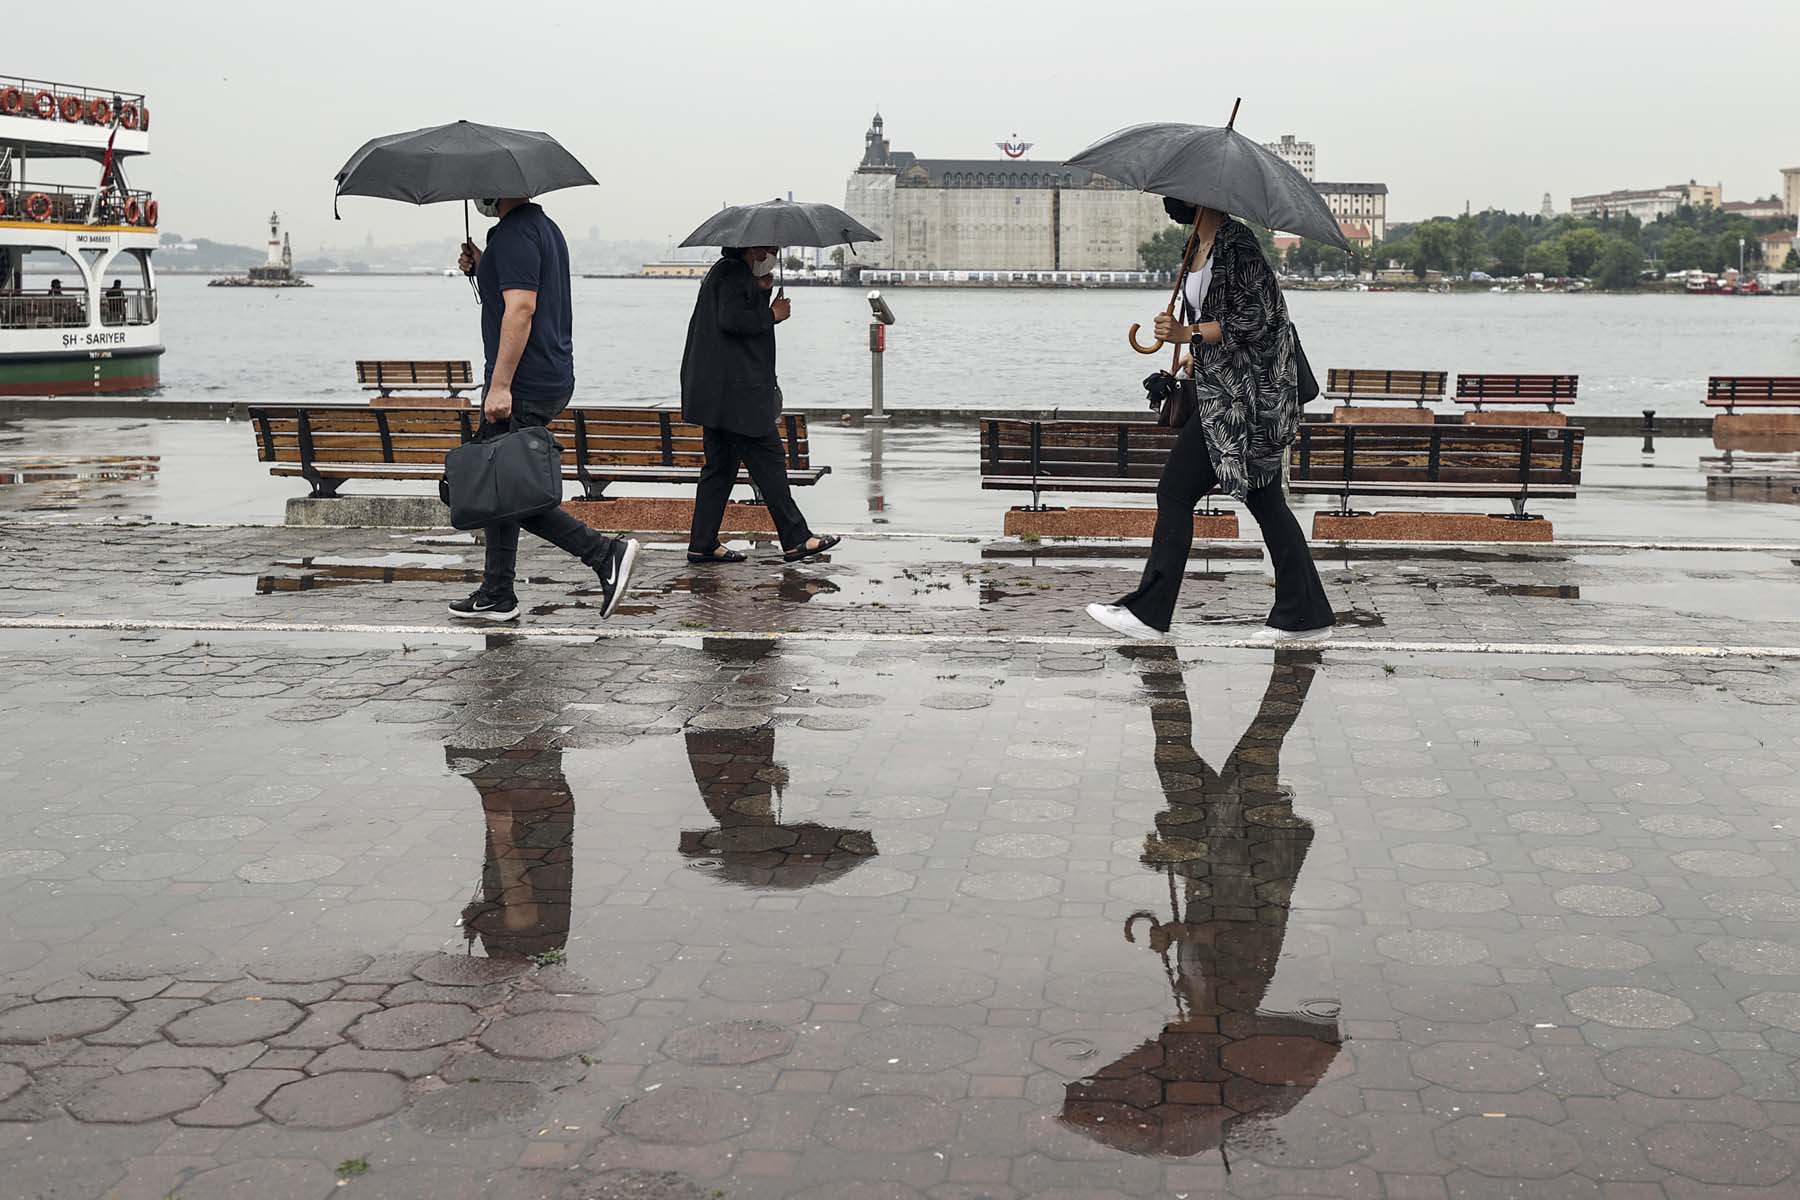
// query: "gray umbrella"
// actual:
[[461, 161], [780, 223], [1216, 168]]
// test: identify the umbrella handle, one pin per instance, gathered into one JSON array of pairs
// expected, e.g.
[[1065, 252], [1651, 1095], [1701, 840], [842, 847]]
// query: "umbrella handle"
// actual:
[[1187, 259], [1132, 337]]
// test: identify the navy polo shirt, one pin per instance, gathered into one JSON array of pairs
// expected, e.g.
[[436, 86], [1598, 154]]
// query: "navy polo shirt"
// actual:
[[526, 251]]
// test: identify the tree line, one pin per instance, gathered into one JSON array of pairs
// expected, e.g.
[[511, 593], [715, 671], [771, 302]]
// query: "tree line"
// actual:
[[1615, 252]]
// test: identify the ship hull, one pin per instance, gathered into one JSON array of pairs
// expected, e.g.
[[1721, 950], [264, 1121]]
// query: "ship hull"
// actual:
[[81, 374]]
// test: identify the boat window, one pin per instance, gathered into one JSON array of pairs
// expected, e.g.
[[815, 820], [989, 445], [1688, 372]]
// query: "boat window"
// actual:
[[127, 291], [47, 290]]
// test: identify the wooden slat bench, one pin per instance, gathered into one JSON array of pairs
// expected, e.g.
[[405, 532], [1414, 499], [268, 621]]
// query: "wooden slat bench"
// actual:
[[1511, 463], [440, 377], [1772, 423], [1124, 457], [1732, 392], [327, 444], [1512, 393], [1357, 391]]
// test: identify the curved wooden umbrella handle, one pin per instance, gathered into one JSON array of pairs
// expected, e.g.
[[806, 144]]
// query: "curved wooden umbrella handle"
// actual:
[[1132, 337]]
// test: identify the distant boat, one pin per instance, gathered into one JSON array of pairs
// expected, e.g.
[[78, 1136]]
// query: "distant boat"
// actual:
[[89, 330]]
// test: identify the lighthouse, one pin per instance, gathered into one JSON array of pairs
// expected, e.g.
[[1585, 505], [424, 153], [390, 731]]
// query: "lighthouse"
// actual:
[[274, 241]]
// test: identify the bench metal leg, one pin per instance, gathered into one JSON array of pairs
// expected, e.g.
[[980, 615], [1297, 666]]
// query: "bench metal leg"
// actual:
[[593, 489], [323, 488], [1518, 513]]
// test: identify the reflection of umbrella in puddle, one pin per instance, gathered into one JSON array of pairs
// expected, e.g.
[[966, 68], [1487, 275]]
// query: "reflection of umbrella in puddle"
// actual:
[[742, 786], [1227, 1066]]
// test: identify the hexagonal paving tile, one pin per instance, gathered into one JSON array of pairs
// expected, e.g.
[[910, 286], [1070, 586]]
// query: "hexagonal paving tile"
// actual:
[[234, 1022], [414, 1027], [543, 1035], [143, 1095], [341, 1100]]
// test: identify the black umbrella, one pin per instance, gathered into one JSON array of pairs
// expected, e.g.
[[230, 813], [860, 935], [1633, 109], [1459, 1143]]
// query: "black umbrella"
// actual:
[[1219, 169], [461, 161], [780, 223]]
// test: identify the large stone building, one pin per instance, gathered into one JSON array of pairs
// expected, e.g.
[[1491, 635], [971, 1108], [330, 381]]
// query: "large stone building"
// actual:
[[1648, 204], [1360, 209], [1790, 190], [994, 214], [1297, 154]]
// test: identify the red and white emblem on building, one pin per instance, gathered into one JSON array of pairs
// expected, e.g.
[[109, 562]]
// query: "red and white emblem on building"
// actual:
[[1015, 148]]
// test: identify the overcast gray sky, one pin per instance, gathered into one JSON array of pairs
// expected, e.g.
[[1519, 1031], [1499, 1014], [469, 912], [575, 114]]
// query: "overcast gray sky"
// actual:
[[676, 107]]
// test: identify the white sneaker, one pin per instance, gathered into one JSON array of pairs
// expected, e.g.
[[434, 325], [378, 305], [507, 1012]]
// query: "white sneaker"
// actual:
[[1282, 637], [1120, 620]]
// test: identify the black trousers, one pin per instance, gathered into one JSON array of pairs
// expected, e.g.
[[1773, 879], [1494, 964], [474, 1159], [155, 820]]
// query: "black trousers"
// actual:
[[1300, 601], [555, 526], [766, 461]]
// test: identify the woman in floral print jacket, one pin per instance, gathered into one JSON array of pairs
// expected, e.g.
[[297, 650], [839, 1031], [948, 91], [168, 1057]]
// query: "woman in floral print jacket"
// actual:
[[1243, 362]]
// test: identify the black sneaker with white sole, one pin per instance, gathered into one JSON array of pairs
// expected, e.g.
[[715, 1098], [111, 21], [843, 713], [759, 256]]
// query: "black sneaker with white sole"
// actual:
[[615, 573], [483, 606]]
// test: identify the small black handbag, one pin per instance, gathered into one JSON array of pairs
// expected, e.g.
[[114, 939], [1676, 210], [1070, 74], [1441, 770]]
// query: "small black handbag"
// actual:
[[1303, 372], [502, 477], [1174, 400]]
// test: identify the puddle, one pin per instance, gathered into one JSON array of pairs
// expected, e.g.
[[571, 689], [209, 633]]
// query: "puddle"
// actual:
[[78, 469]]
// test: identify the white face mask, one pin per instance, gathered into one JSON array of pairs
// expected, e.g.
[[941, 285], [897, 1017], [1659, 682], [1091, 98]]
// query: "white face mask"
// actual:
[[765, 265], [488, 208]]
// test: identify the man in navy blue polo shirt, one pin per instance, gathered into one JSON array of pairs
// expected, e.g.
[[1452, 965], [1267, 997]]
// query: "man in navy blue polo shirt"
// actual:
[[526, 333]]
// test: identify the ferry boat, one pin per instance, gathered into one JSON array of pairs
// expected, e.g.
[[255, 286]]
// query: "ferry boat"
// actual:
[[78, 305]]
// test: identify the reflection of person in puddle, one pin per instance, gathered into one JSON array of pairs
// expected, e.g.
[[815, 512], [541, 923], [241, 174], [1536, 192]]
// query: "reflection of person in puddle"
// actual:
[[521, 908], [742, 786], [1232, 849]]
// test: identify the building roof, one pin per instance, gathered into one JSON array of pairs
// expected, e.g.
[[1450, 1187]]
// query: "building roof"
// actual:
[[1351, 189], [1780, 235], [992, 172], [1742, 205]]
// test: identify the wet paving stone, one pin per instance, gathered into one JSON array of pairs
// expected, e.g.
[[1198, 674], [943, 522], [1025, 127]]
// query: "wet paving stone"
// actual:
[[1101, 930]]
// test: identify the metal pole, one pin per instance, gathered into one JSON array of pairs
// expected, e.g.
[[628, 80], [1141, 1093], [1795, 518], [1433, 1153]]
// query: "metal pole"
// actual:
[[876, 337]]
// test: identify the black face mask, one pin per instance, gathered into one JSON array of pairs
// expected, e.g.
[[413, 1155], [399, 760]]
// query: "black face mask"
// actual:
[[1180, 211]]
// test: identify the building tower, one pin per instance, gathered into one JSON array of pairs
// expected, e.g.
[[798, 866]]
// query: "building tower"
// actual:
[[1297, 154], [1548, 209], [274, 240], [875, 145], [1790, 191]]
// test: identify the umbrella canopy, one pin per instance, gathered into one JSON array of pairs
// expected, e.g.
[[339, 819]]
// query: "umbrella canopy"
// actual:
[[461, 161], [780, 223], [1215, 168]]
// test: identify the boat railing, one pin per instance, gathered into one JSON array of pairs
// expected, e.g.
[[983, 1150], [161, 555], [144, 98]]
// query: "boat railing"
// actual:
[[22, 96], [56, 204], [128, 306], [43, 309]]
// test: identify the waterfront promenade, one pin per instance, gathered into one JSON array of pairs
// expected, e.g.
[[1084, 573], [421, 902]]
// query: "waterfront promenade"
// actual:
[[883, 877]]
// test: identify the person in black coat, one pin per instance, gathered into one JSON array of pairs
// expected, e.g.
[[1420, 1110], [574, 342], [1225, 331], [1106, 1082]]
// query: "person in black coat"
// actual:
[[728, 388]]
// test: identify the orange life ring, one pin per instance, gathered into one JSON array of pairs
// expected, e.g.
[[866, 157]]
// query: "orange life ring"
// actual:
[[2, 204], [144, 118], [132, 211], [128, 115], [44, 104], [150, 214], [37, 206], [100, 112], [72, 108], [12, 101]]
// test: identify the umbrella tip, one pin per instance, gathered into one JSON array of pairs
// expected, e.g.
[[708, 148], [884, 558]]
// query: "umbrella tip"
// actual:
[[1234, 109]]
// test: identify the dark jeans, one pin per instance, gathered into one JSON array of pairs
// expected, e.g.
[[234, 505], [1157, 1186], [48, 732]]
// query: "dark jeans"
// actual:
[[1300, 601], [766, 461], [554, 526]]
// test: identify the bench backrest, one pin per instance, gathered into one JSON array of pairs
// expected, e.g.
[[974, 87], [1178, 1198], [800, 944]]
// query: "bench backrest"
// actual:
[[1755, 391], [590, 437], [1436, 454], [1360, 383], [1074, 449], [1548, 390], [390, 375]]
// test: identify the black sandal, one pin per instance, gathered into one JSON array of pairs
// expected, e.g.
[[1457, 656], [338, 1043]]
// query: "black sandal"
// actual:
[[720, 554], [802, 551]]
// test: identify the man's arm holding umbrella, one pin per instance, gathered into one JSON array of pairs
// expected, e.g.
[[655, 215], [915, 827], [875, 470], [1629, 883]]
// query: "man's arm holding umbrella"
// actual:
[[745, 312], [517, 276]]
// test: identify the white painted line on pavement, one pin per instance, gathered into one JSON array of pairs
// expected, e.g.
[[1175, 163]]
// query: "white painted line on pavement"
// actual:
[[566, 633]]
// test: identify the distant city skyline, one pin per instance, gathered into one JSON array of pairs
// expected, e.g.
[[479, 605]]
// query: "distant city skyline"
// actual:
[[677, 111]]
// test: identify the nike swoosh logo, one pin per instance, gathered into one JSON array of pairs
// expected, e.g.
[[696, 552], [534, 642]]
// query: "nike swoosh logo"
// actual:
[[612, 574]]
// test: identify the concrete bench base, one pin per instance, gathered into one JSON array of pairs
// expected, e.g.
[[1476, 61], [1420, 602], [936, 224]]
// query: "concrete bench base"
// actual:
[[1770, 432], [370, 512], [665, 514], [1540, 420], [1108, 523], [1363, 414], [1427, 527]]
